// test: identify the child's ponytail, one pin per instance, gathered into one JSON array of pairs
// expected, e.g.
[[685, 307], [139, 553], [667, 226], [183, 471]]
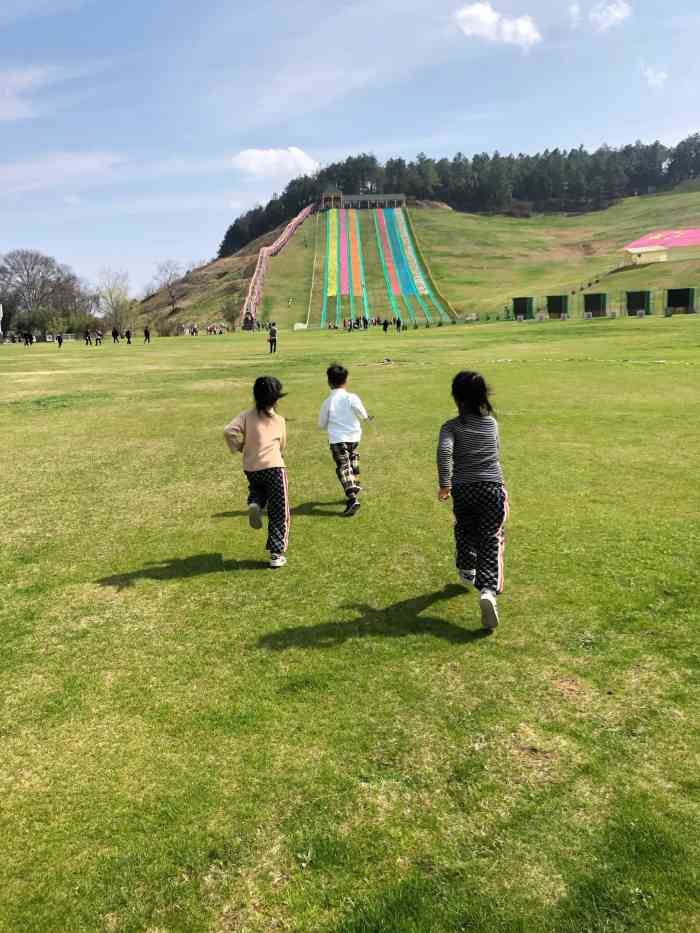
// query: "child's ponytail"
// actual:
[[471, 394], [267, 391]]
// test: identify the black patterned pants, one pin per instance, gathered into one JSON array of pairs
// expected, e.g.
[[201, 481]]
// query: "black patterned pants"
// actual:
[[269, 489], [481, 510], [347, 467]]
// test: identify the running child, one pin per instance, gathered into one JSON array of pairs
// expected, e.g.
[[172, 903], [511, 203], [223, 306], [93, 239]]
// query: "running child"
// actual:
[[340, 416], [260, 434], [469, 469]]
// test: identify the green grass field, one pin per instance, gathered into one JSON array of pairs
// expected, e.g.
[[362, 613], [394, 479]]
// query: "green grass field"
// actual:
[[191, 742]]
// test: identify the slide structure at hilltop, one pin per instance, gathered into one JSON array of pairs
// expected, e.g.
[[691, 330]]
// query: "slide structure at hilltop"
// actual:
[[351, 262]]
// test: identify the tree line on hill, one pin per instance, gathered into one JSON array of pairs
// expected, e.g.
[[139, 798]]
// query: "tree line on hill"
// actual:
[[554, 180]]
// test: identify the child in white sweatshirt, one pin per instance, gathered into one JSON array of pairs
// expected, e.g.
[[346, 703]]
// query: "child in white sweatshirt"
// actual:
[[340, 416]]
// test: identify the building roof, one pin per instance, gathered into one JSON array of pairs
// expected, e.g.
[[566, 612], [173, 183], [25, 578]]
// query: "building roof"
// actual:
[[665, 239]]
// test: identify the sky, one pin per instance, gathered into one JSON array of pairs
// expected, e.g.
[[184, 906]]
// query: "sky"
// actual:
[[135, 133]]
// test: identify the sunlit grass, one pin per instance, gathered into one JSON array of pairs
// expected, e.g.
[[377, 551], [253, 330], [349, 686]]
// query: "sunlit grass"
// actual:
[[191, 742]]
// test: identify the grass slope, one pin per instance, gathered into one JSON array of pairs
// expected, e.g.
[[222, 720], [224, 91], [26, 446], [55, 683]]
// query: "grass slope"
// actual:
[[479, 262], [191, 743], [482, 262], [205, 291]]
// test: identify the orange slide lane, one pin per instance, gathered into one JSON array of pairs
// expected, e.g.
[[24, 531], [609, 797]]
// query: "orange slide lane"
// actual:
[[354, 254]]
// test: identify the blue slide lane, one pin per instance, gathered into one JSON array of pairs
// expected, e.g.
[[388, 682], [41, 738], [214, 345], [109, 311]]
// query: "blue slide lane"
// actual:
[[413, 289], [402, 270]]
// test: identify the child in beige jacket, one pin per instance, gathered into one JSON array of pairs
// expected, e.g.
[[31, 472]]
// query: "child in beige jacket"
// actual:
[[260, 434]]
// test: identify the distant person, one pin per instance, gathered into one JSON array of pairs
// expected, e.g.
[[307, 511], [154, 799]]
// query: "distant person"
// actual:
[[469, 470], [128, 337], [115, 335], [146, 334], [399, 325], [59, 340], [272, 337], [28, 339], [98, 338], [260, 434], [340, 415], [385, 325], [88, 339]]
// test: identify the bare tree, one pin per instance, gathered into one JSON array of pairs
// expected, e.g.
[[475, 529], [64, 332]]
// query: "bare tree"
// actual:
[[168, 276], [231, 311], [113, 289], [31, 277], [37, 289]]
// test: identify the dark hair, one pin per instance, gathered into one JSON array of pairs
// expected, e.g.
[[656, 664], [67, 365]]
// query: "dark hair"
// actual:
[[337, 375], [267, 391], [471, 394]]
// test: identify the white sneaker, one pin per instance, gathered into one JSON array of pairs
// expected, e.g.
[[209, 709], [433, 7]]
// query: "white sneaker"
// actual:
[[489, 610], [277, 561], [467, 577], [255, 514]]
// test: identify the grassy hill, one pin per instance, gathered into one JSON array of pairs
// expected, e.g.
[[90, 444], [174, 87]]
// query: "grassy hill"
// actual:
[[205, 292], [479, 262]]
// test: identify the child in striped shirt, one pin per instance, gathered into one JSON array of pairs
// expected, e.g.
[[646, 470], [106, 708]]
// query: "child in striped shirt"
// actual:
[[469, 470]]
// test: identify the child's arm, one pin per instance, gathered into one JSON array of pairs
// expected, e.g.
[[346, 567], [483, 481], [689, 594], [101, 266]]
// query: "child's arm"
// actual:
[[358, 407], [235, 434], [323, 415], [283, 440], [445, 453]]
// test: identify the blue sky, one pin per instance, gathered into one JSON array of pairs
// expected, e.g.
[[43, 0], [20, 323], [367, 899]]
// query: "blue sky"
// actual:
[[133, 133]]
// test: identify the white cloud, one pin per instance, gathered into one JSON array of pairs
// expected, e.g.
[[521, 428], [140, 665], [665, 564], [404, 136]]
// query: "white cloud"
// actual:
[[655, 78], [481, 21], [609, 13], [14, 10], [55, 170], [575, 15], [16, 87], [20, 88], [275, 163]]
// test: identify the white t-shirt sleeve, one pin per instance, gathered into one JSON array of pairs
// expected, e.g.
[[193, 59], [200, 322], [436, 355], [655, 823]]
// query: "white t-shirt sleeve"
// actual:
[[323, 415], [358, 407]]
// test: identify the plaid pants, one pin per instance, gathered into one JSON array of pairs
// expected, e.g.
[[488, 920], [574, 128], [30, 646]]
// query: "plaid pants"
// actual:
[[481, 510], [269, 489], [347, 467]]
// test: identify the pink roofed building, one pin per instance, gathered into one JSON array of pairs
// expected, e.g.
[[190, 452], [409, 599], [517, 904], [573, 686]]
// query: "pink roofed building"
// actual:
[[655, 247]]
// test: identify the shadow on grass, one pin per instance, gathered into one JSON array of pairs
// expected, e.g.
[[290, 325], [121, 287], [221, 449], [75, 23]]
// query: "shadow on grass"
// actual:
[[396, 621], [178, 568], [306, 508]]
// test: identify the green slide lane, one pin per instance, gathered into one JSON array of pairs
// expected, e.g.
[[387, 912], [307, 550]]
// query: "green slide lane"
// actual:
[[387, 280]]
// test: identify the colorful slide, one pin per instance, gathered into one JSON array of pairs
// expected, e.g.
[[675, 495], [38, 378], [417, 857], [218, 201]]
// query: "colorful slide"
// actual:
[[404, 274], [344, 270]]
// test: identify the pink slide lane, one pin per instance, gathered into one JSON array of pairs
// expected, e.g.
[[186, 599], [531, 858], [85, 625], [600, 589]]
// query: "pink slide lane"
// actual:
[[343, 249]]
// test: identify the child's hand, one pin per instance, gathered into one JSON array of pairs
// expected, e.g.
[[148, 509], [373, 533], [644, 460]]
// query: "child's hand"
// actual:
[[443, 493]]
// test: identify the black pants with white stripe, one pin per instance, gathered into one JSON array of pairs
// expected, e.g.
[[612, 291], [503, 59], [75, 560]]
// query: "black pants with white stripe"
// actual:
[[481, 510], [269, 489]]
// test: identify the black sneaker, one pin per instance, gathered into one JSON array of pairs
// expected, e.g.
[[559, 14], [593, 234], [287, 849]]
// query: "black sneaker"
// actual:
[[352, 507]]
